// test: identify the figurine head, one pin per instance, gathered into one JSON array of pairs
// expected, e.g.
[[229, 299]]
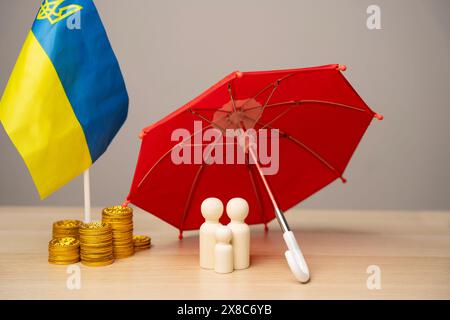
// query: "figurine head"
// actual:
[[212, 209], [223, 234], [237, 209]]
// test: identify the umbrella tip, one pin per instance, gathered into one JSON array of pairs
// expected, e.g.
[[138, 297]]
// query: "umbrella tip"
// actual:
[[125, 203], [343, 180], [378, 116], [180, 235], [266, 228], [342, 67], [238, 74], [142, 134]]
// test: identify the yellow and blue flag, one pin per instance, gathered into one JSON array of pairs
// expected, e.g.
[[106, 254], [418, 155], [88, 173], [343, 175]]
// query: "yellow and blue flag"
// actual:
[[66, 98]]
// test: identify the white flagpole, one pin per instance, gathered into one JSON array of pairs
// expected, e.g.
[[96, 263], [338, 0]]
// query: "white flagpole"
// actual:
[[87, 197]]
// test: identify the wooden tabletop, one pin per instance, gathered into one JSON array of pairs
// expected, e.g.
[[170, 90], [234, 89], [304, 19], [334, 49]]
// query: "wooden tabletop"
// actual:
[[411, 250]]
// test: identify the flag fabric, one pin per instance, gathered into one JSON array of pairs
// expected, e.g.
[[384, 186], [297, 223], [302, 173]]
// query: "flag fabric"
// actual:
[[66, 98]]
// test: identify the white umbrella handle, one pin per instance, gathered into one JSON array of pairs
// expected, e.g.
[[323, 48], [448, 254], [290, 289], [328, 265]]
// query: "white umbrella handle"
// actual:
[[294, 255], [295, 259]]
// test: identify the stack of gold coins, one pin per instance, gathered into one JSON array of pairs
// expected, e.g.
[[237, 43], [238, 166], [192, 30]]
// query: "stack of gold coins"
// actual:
[[66, 228], [64, 250], [121, 221], [142, 243], [96, 244]]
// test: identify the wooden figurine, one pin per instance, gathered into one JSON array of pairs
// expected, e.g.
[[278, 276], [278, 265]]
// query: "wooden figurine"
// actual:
[[223, 251], [212, 209], [237, 211]]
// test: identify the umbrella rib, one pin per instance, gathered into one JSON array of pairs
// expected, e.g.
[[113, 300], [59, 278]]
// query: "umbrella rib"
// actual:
[[194, 184], [178, 144], [296, 103], [305, 147], [231, 97], [278, 116], [256, 95], [212, 123], [299, 102], [166, 154], [273, 84], [189, 198], [315, 154], [265, 104]]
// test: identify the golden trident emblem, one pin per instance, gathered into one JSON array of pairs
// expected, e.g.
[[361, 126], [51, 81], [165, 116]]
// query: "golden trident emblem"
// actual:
[[51, 10]]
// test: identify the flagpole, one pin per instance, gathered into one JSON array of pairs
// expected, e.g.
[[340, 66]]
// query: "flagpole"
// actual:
[[87, 197]]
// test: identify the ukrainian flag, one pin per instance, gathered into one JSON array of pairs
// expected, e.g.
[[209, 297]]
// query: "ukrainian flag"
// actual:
[[66, 97]]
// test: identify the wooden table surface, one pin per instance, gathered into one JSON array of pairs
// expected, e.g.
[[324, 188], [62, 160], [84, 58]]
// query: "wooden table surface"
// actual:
[[412, 250]]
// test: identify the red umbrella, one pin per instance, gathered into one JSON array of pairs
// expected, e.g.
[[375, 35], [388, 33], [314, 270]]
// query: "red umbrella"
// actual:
[[311, 118]]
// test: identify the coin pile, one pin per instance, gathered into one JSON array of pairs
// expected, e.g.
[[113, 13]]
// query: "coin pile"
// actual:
[[66, 228], [64, 250], [96, 244], [142, 243], [121, 220]]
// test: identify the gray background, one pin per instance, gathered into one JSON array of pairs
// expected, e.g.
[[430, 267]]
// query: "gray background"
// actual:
[[170, 51]]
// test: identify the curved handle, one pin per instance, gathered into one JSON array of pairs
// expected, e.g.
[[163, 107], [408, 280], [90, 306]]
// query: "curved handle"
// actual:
[[295, 259]]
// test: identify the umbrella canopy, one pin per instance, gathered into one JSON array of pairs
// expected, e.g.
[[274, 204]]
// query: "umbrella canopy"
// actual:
[[314, 114]]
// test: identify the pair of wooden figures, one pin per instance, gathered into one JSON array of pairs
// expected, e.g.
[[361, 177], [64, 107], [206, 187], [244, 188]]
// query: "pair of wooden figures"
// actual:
[[224, 248]]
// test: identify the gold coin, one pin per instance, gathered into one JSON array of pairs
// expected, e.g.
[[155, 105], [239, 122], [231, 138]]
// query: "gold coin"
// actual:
[[121, 229], [66, 228], [64, 259], [94, 244], [143, 246], [141, 249], [64, 242], [97, 258], [136, 243], [122, 256], [118, 219], [63, 262], [59, 257], [67, 224], [63, 253], [65, 231], [95, 239], [124, 247], [93, 226], [95, 249], [63, 250], [141, 239], [123, 250], [128, 233], [96, 253], [118, 211], [97, 263], [123, 242]]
